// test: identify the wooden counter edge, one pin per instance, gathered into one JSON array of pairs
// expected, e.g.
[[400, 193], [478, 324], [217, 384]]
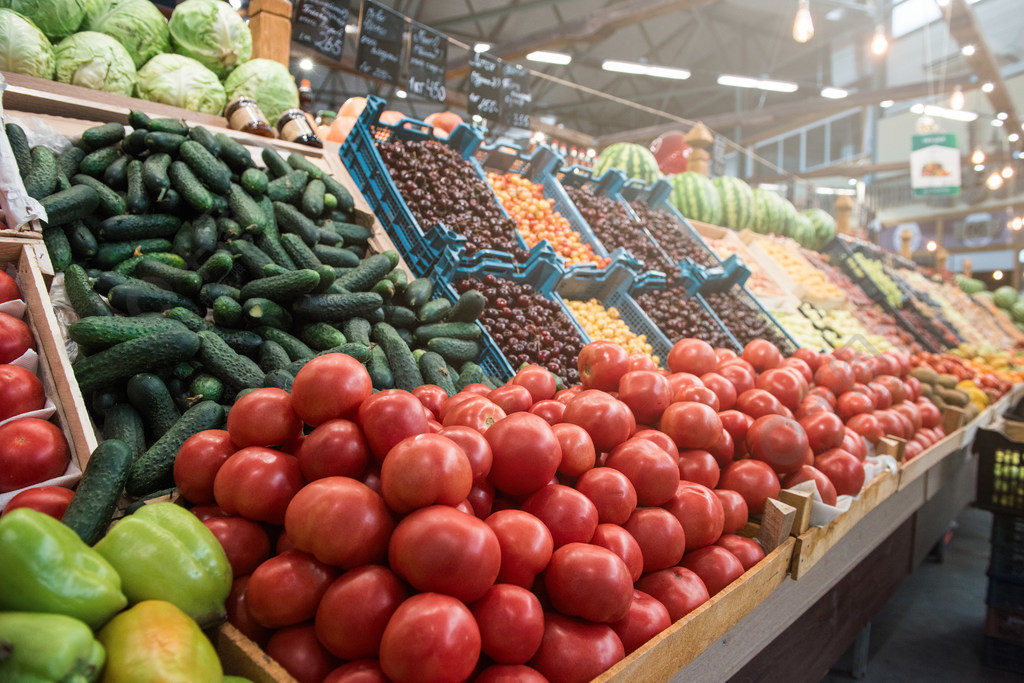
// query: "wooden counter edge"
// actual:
[[242, 657]]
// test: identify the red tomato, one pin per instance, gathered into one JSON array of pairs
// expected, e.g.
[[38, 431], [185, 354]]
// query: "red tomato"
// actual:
[[422, 470], [245, 542], [808, 356], [661, 439], [853, 403], [723, 450], [575, 651], [646, 393], [835, 375], [511, 398], [198, 461], [439, 549], [431, 638], [50, 500], [895, 386], [588, 581], [301, 654], [238, 613], [715, 566], [507, 673], [257, 483], [263, 417], [811, 405], [477, 412], [754, 480], [931, 417], [567, 513], [762, 354], [881, 397], [476, 448], [8, 288], [699, 467], [758, 403], [692, 355], [607, 420], [679, 380], [432, 397], [538, 381], [823, 393], [741, 378], [810, 473], [912, 413], [330, 387], [621, 542], [286, 589], [336, 448], [355, 608], [641, 361], [645, 619], [697, 395], [389, 416], [734, 509], [660, 536], [844, 470], [323, 507], [653, 472], [801, 366], [481, 499], [476, 388], [723, 388], [677, 588], [205, 512], [565, 394], [700, 512], [867, 425], [511, 622], [748, 551], [736, 423], [15, 338], [778, 441], [913, 386], [31, 451], [358, 671], [785, 384], [550, 410], [601, 364], [526, 546], [20, 391], [526, 453], [577, 447], [691, 425], [611, 491]]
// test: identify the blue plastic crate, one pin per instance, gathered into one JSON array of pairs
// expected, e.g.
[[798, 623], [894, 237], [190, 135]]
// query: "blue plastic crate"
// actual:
[[732, 272], [653, 281], [741, 292], [656, 197]]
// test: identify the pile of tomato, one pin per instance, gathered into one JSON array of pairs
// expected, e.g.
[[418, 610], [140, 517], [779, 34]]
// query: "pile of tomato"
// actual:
[[523, 532]]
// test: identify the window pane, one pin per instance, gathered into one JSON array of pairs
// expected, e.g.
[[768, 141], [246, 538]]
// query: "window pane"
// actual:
[[791, 154], [815, 147], [845, 137]]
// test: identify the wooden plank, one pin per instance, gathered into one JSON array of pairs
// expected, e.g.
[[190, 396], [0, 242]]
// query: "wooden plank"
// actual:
[[813, 545], [917, 467], [681, 643], [241, 657], [270, 22], [802, 502]]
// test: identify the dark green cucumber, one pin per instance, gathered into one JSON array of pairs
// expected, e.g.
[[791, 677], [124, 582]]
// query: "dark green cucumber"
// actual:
[[42, 179], [287, 188], [223, 362], [216, 266], [152, 471], [138, 119], [188, 185], [360, 352], [205, 167], [254, 181], [279, 379], [379, 370], [19, 146], [72, 204], [282, 288], [435, 371], [455, 351], [109, 254], [127, 227], [301, 163], [418, 292], [327, 277], [205, 138], [313, 198], [183, 241], [95, 163], [228, 229], [154, 172], [133, 356], [335, 307], [152, 398], [251, 256], [241, 341], [400, 278], [333, 256], [299, 251], [206, 387], [84, 246], [136, 199], [290, 219], [260, 311], [406, 335], [92, 507], [121, 421], [171, 126], [350, 232], [322, 336], [84, 300], [227, 312], [103, 330], [168, 202], [345, 202], [102, 136], [399, 317], [68, 160], [212, 291], [269, 239], [58, 247], [294, 347], [108, 279], [386, 289], [233, 153], [111, 203], [134, 144], [204, 236], [133, 300], [330, 201], [244, 208], [468, 308], [364, 276], [357, 330], [276, 165], [330, 238], [62, 182], [158, 141], [273, 356], [128, 266], [404, 368], [116, 175], [467, 331], [434, 311], [469, 373], [184, 282]]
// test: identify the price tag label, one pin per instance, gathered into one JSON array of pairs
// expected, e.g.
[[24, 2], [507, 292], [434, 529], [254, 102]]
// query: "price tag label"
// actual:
[[320, 25], [428, 63], [484, 86], [516, 99], [380, 43]]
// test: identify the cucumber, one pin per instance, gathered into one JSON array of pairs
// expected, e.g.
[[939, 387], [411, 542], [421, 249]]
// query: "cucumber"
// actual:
[[133, 300], [359, 250], [184, 282], [72, 204], [188, 186], [133, 356], [467, 331], [168, 202], [111, 203], [19, 146], [335, 307], [295, 348], [102, 136], [241, 341], [84, 246], [434, 311], [455, 351], [58, 248], [212, 291], [406, 335], [84, 300], [223, 362], [67, 161], [127, 227], [92, 507], [216, 266], [228, 229], [291, 220], [95, 163], [101, 331], [227, 312], [233, 153], [469, 373], [206, 387], [62, 182], [244, 208], [251, 256], [322, 336], [333, 256], [330, 201], [136, 199], [357, 330], [121, 421], [171, 126], [299, 251], [399, 317], [42, 178], [108, 279], [327, 277], [262, 311], [205, 138], [468, 308], [313, 198], [364, 276], [109, 254], [435, 371], [418, 292], [345, 202], [273, 356], [116, 175], [282, 288], [128, 266], [360, 352], [287, 188], [204, 236], [379, 370], [279, 379], [254, 181], [269, 240], [152, 471], [386, 289], [276, 165], [138, 119], [205, 167], [400, 278], [154, 172], [350, 232], [134, 144], [404, 369], [330, 238], [157, 141], [301, 163]]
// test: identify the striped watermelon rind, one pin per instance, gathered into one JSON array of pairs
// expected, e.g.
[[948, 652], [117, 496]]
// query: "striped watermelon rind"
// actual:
[[789, 217], [803, 231], [823, 228], [635, 161], [695, 196], [737, 202], [767, 212]]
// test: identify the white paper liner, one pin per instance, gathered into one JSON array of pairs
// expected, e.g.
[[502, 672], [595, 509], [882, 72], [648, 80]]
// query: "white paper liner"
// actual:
[[17, 206], [822, 514]]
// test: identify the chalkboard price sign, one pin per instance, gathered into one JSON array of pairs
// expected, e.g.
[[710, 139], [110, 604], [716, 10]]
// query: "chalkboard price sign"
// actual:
[[320, 25], [516, 100], [428, 63], [380, 43], [484, 86]]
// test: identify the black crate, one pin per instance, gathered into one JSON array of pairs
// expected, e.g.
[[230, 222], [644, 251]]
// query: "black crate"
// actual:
[[1005, 595], [1000, 472], [1002, 654], [1007, 530], [1006, 625], [1006, 562]]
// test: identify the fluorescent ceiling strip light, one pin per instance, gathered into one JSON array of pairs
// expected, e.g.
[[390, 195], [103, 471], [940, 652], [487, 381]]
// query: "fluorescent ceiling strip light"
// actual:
[[944, 112], [833, 93], [644, 69], [759, 83], [835, 190], [549, 57]]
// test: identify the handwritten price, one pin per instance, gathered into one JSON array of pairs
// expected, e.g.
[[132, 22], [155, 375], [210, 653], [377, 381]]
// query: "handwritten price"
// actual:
[[330, 44]]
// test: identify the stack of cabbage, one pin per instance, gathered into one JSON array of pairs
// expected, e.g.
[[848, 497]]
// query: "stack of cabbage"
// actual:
[[198, 60]]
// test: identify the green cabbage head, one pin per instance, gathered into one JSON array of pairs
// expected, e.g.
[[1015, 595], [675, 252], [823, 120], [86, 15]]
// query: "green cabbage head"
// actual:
[[23, 47], [136, 24], [266, 81], [212, 33], [55, 18], [95, 60], [181, 82]]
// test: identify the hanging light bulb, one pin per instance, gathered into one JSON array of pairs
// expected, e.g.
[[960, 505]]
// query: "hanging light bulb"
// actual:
[[1017, 223], [803, 25], [1007, 172], [879, 43], [994, 181], [977, 156], [957, 99], [997, 275], [931, 246]]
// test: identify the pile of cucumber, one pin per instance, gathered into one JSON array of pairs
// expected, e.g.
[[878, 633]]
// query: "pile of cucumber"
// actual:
[[198, 276]]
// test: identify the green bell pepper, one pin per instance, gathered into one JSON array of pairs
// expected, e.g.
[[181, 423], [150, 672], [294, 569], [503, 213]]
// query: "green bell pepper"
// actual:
[[38, 648], [163, 552], [45, 567]]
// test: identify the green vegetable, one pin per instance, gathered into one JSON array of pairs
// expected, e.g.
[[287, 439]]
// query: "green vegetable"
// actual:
[[292, 220], [188, 186], [136, 199], [234, 153], [343, 197], [244, 208], [55, 18], [111, 203], [468, 308], [279, 379], [96, 61], [214, 290], [313, 198], [95, 163], [26, 49], [272, 356], [268, 82], [83, 242], [58, 247], [241, 341], [333, 256], [404, 368], [454, 351], [97, 331], [150, 396], [68, 160], [128, 227], [282, 288], [434, 311], [357, 330], [335, 307], [115, 176], [110, 254], [254, 181], [213, 34], [204, 236], [134, 144], [163, 142], [42, 178], [47, 568], [205, 138], [300, 252], [83, 298], [127, 267], [251, 256], [184, 282], [379, 370], [261, 311], [227, 365], [227, 312], [122, 422], [48, 647], [301, 163], [322, 336], [295, 348], [133, 300], [137, 24], [205, 166], [418, 292], [288, 187], [95, 500], [468, 331], [435, 371], [103, 135], [216, 266], [399, 316], [205, 387], [131, 357]]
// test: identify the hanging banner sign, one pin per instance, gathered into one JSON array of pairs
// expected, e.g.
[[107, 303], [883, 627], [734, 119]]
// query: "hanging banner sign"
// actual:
[[320, 25], [428, 64], [380, 43], [484, 86], [935, 165], [516, 99]]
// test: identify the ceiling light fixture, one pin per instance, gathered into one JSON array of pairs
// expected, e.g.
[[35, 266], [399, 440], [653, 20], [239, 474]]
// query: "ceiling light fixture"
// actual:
[[831, 93], [1002, 116], [401, 94], [644, 69], [968, 50], [997, 123], [979, 167], [481, 47], [803, 24], [759, 83], [978, 156], [1017, 223], [997, 275], [1013, 137], [1007, 172], [944, 113], [994, 181], [879, 43], [885, 104], [931, 246], [549, 57], [957, 99], [988, 87], [306, 64]]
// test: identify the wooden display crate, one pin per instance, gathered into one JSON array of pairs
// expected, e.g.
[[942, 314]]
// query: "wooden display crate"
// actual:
[[241, 657]]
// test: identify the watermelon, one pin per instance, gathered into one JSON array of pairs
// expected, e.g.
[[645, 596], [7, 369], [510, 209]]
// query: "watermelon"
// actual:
[[1017, 310], [823, 228], [636, 161], [737, 202], [789, 217], [768, 213], [695, 197], [1005, 297], [803, 230]]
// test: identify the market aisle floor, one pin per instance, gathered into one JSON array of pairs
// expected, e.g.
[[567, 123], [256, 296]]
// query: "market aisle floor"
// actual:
[[931, 629]]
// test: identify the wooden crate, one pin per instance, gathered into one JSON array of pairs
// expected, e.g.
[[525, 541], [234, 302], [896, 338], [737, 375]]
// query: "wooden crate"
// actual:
[[241, 657], [929, 458], [814, 543], [681, 643]]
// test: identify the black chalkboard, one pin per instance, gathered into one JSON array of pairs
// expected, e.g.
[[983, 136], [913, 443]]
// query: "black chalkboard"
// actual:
[[516, 100], [380, 42], [484, 86], [428, 63], [320, 25]]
